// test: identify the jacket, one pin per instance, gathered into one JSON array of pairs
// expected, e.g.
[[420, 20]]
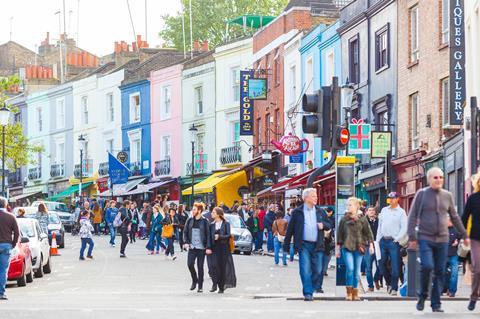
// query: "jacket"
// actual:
[[156, 224], [110, 215], [295, 229], [126, 217], [86, 228], [268, 221], [472, 210], [279, 227], [353, 233], [224, 233], [204, 232]]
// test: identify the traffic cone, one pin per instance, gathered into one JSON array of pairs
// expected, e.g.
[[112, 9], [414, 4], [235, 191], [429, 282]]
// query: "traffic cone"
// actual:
[[54, 247]]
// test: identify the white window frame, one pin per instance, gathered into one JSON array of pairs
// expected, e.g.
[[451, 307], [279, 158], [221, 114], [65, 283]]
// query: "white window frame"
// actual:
[[309, 67], [235, 84], [39, 117], [135, 109], [110, 107], [414, 121], [329, 66], [445, 89], [84, 109], [445, 21], [166, 102], [293, 84], [135, 136], [59, 159], [166, 146], [60, 113], [110, 144], [413, 25], [199, 99]]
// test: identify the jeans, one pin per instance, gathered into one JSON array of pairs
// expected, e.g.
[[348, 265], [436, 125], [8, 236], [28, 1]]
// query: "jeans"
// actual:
[[369, 261], [277, 245], [258, 240], [199, 256], [86, 241], [353, 263], [270, 241], [155, 241], [124, 233], [311, 267], [433, 256], [170, 249], [452, 282], [5, 249], [390, 249], [113, 233]]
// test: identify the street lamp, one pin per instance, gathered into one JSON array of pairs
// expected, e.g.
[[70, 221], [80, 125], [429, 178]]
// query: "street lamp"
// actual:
[[193, 133], [81, 141], [4, 117], [346, 93]]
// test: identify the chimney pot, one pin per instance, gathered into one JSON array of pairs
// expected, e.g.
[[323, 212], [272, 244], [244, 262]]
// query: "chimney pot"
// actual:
[[205, 46], [196, 45]]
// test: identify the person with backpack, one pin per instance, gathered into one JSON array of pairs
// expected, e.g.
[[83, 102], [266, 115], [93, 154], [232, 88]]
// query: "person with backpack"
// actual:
[[110, 215], [155, 238], [125, 217]]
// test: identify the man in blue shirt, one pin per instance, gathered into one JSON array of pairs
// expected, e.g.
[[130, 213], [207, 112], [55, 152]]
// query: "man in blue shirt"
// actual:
[[110, 215], [307, 226]]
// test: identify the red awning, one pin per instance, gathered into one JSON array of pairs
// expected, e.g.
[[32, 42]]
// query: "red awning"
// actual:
[[303, 181], [283, 185]]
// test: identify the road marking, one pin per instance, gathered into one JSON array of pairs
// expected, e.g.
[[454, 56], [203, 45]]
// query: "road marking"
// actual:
[[68, 267], [199, 311]]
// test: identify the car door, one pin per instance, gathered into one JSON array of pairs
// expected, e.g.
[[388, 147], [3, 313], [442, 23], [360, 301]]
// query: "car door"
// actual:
[[43, 240]]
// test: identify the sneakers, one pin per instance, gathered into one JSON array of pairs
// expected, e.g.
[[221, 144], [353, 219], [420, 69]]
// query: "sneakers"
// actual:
[[174, 257], [81, 258], [3, 297], [371, 289], [437, 310], [157, 252], [393, 292], [123, 256], [308, 298], [420, 304], [90, 257], [471, 305]]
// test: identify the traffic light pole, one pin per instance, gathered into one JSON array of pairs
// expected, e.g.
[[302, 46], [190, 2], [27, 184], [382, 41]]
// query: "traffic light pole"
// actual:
[[319, 171]]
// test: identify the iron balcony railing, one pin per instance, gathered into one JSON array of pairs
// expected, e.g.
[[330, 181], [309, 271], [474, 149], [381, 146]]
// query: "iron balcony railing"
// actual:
[[135, 169], [103, 169], [15, 177], [57, 170], [231, 154], [162, 167], [34, 173]]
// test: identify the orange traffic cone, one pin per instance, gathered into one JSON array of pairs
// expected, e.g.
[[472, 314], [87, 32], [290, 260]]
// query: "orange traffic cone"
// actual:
[[54, 247]]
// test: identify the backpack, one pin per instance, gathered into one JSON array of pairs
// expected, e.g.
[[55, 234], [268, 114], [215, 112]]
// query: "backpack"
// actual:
[[117, 222]]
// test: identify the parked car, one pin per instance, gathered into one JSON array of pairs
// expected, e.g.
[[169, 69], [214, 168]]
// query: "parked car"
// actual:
[[61, 209], [241, 235], [54, 226], [39, 246], [20, 269]]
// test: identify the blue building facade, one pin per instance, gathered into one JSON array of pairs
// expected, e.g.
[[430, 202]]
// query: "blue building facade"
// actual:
[[136, 128]]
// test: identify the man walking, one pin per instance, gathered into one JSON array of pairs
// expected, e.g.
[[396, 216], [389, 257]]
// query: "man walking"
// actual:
[[307, 227], [268, 223], [8, 239], [110, 215], [428, 224], [392, 226]]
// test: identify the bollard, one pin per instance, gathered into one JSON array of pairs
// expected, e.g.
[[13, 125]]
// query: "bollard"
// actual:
[[413, 272]]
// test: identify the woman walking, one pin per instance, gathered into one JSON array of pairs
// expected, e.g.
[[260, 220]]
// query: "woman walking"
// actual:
[[182, 220], [168, 231], [354, 237], [279, 229], [42, 217], [155, 239], [85, 233], [126, 218], [224, 273], [135, 220], [471, 221], [97, 218]]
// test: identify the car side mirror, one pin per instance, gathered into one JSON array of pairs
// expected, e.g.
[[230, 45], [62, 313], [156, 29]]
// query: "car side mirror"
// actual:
[[24, 240]]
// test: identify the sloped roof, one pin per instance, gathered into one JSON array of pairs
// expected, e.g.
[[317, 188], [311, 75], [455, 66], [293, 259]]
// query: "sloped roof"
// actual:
[[316, 6]]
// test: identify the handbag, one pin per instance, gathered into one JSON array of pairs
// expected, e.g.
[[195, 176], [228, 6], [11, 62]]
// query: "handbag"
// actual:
[[167, 231], [463, 250], [231, 244]]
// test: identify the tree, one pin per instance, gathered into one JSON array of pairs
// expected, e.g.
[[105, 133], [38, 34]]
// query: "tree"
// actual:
[[17, 145], [210, 17]]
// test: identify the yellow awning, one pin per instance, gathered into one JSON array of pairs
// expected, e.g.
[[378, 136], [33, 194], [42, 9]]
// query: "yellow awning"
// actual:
[[207, 185]]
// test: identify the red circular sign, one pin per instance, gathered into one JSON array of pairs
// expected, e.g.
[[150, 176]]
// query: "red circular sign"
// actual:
[[344, 136]]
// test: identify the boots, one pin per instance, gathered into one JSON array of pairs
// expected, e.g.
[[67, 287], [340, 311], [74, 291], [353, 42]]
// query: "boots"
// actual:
[[355, 296], [349, 296], [214, 288]]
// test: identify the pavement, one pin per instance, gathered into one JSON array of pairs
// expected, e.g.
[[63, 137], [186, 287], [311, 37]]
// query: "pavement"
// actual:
[[144, 286]]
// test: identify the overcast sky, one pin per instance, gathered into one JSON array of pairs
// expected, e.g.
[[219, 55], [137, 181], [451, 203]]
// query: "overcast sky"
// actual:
[[102, 22]]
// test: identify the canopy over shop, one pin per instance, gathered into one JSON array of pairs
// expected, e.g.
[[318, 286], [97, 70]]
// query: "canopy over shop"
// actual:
[[119, 190], [70, 191]]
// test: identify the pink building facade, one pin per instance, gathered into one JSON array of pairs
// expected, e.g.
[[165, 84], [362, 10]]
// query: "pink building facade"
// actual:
[[166, 127]]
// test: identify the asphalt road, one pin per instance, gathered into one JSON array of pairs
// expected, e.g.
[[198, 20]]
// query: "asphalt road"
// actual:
[[143, 286]]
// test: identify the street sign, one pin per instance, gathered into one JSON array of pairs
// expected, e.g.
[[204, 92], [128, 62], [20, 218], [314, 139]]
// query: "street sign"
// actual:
[[381, 144], [359, 138], [298, 158], [122, 156], [344, 136]]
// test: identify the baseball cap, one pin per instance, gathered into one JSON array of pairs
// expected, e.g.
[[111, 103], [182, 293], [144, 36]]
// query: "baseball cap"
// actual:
[[392, 195]]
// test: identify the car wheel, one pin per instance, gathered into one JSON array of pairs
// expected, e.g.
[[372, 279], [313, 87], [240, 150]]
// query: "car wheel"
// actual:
[[48, 267], [39, 272], [22, 281], [248, 253]]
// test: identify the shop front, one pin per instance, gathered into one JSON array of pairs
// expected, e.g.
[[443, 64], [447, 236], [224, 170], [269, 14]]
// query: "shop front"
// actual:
[[374, 186], [27, 196], [410, 174], [453, 152]]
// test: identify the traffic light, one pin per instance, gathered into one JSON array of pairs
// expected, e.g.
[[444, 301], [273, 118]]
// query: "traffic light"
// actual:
[[312, 123], [341, 137]]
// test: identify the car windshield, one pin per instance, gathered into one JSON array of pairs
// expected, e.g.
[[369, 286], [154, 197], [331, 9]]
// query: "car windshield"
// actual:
[[60, 208], [53, 219], [235, 221], [27, 229]]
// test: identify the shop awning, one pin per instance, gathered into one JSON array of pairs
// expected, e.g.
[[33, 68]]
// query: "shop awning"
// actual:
[[206, 186], [69, 191], [283, 185], [22, 196], [252, 21], [122, 189], [265, 191], [142, 189]]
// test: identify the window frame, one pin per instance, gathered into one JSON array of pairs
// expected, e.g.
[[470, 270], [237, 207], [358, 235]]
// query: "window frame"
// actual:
[[164, 147], [235, 84], [384, 31], [39, 119], [293, 84], [110, 108], [164, 114], [135, 113], [413, 53], [199, 99], [354, 68], [445, 22], [445, 100], [84, 109], [414, 122], [309, 74], [60, 113]]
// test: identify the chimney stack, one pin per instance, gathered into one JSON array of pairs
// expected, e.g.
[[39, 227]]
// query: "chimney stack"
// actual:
[[196, 46], [205, 46]]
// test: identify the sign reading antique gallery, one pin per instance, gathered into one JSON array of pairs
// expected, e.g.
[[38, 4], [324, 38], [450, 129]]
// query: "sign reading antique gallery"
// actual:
[[457, 62], [246, 105]]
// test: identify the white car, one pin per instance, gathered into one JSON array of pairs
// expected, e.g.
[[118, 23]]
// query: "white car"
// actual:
[[38, 242]]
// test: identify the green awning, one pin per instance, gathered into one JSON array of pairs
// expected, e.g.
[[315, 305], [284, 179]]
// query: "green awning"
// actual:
[[252, 21], [69, 191]]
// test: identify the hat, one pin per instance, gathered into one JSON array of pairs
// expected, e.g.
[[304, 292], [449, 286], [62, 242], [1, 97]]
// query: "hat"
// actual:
[[393, 195]]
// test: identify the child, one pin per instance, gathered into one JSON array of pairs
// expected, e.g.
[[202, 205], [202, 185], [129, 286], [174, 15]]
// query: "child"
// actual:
[[85, 233]]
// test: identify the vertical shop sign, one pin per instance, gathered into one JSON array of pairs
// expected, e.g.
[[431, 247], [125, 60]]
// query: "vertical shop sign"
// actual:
[[457, 62], [246, 105]]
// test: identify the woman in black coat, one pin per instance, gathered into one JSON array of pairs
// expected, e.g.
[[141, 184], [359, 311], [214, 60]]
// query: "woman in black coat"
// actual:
[[224, 274]]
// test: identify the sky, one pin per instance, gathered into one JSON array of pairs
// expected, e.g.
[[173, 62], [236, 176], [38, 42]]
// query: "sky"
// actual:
[[101, 22]]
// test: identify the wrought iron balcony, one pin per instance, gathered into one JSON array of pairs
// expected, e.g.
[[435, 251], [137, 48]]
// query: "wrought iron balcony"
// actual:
[[230, 155], [15, 178], [135, 169], [162, 167], [103, 169], [35, 173], [76, 171], [57, 170], [201, 164]]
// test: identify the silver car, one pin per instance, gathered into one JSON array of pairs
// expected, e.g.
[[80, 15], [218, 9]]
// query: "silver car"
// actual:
[[241, 234]]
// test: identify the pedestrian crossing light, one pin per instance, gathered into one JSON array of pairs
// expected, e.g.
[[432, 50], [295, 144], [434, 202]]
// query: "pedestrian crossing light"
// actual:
[[313, 104]]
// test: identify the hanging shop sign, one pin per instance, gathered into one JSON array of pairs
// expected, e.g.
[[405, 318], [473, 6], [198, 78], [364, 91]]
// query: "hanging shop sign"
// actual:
[[291, 144], [359, 142], [381, 144], [296, 159], [457, 62], [257, 89], [122, 157], [246, 105]]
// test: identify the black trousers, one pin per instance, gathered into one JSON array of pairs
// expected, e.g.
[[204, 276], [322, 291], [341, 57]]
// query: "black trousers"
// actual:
[[220, 264], [133, 232], [199, 256], [170, 249], [124, 233]]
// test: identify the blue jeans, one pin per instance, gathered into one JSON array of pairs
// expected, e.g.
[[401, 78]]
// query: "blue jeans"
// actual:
[[5, 249], [155, 241], [113, 233], [270, 240], [353, 263], [86, 241], [277, 247], [433, 256], [258, 240], [390, 249], [452, 282], [369, 261], [311, 267]]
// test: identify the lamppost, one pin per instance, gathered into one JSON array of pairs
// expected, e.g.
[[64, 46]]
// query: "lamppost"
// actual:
[[4, 117], [193, 133], [81, 141], [347, 92]]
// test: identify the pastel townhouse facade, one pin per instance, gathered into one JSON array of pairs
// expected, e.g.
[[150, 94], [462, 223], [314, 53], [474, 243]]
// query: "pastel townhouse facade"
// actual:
[[230, 59], [198, 108]]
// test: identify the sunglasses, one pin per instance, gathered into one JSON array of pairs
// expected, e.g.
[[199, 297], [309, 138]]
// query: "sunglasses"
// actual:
[[438, 177]]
